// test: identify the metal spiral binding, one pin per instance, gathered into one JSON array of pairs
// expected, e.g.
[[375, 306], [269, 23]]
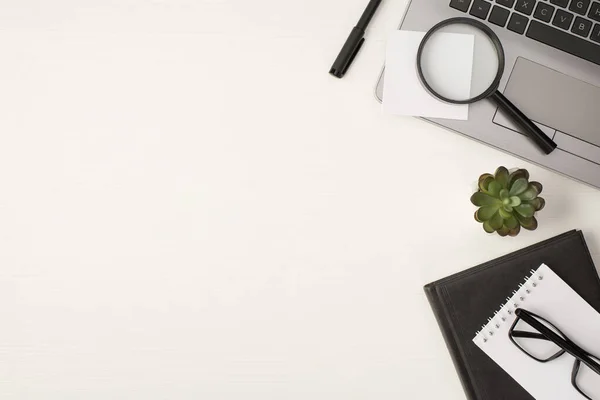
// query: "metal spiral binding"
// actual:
[[518, 298]]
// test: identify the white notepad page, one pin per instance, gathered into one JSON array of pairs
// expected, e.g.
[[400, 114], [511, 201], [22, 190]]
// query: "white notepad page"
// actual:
[[554, 300]]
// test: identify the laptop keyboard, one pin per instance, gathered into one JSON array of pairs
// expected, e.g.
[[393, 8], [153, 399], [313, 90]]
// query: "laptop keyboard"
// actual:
[[572, 26]]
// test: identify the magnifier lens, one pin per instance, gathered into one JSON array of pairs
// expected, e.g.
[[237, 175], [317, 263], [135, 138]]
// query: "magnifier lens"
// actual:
[[446, 66]]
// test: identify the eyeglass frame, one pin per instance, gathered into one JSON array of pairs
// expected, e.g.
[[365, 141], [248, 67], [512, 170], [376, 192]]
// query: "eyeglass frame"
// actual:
[[565, 344]]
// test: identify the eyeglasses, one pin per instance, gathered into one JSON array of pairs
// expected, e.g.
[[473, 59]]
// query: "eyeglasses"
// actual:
[[544, 342]]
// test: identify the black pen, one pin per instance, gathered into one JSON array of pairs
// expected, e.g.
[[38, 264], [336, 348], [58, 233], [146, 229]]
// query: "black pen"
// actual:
[[354, 41]]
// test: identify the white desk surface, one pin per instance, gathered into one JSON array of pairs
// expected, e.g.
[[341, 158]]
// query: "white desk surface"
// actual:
[[192, 208]]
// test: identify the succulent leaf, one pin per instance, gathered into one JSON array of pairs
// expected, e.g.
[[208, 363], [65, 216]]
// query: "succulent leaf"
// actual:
[[525, 222], [538, 203], [496, 221], [503, 194], [503, 231], [487, 227], [484, 181], [505, 213], [511, 223], [520, 173], [514, 201], [519, 186], [528, 223], [494, 189], [530, 194], [525, 210], [501, 177], [515, 232], [538, 186], [483, 199], [486, 213]]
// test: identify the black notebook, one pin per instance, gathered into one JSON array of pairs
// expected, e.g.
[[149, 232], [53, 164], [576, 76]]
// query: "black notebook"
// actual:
[[463, 301]]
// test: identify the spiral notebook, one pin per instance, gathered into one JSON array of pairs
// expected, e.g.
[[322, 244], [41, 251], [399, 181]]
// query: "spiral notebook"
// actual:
[[462, 302], [547, 295]]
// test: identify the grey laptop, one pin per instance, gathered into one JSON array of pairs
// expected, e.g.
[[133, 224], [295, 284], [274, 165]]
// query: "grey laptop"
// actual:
[[552, 74]]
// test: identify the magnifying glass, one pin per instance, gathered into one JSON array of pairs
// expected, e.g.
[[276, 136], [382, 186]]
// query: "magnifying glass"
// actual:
[[436, 70]]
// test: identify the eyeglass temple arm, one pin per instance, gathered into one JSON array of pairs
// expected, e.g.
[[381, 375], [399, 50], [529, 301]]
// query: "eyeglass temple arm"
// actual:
[[529, 335], [568, 346]]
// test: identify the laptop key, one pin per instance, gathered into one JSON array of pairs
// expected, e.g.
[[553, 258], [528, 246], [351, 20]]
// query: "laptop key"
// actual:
[[579, 6], [595, 36], [595, 11], [564, 41], [543, 12], [506, 3], [563, 19], [525, 6], [581, 27], [517, 23], [480, 9], [460, 5], [560, 3], [499, 16]]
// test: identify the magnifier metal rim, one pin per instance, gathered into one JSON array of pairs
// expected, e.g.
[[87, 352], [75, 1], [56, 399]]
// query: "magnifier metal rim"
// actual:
[[483, 28]]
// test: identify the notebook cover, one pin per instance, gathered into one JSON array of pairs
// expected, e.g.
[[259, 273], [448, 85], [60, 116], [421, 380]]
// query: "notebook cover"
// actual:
[[463, 302]]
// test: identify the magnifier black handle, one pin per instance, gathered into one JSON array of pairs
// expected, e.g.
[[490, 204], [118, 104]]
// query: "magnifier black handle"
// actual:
[[540, 138]]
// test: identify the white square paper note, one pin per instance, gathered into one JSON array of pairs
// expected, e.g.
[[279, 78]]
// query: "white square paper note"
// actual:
[[403, 93]]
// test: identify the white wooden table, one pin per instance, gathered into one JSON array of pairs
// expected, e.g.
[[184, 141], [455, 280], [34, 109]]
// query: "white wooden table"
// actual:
[[192, 208]]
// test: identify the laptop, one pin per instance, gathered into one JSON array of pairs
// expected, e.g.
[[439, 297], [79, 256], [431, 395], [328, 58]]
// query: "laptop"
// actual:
[[552, 74]]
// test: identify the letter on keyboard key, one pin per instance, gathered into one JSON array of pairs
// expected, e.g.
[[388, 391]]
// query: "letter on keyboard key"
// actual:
[[563, 19], [564, 41], [595, 36], [480, 9], [460, 5], [579, 6], [595, 11], [517, 23], [543, 12], [581, 27], [499, 16], [525, 6]]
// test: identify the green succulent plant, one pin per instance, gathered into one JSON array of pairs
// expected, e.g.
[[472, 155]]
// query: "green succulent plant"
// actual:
[[507, 202]]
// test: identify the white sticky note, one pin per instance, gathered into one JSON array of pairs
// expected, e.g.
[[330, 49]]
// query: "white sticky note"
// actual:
[[403, 93]]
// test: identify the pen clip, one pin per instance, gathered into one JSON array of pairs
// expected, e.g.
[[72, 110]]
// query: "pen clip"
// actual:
[[348, 53]]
